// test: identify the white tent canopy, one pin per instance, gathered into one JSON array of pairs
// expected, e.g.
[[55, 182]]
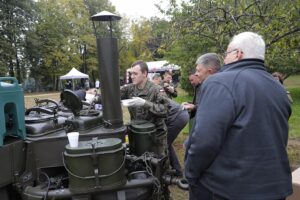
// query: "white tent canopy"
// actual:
[[74, 74], [162, 65]]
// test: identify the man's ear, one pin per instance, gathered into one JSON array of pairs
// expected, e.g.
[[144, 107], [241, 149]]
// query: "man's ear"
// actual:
[[145, 74], [211, 70], [240, 54]]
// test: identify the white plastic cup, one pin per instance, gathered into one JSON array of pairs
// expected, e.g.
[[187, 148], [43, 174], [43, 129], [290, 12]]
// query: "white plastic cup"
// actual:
[[73, 139], [98, 107]]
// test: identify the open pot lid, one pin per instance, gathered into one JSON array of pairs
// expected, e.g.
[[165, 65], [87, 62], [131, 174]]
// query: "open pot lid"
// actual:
[[72, 101]]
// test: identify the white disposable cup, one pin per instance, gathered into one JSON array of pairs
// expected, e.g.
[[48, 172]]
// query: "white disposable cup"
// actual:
[[73, 139]]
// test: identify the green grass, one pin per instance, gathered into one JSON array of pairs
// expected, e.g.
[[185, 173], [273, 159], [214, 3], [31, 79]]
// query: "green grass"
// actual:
[[295, 117], [293, 85], [183, 97]]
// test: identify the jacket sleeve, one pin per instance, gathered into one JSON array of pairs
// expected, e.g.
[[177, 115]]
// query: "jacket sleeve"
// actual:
[[160, 105], [124, 92], [214, 116]]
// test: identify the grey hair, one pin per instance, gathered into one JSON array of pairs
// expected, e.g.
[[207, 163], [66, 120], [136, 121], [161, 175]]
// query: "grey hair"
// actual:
[[251, 44], [209, 60]]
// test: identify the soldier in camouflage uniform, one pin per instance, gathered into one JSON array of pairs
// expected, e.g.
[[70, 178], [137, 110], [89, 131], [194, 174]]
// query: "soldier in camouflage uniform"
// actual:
[[147, 103]]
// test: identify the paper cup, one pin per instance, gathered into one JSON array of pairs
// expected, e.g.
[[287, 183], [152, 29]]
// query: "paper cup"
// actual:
[[73, 139], [98, 107]]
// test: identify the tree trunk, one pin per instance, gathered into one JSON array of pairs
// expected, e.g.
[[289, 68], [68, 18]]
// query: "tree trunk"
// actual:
[[11, 69], [19, 77]]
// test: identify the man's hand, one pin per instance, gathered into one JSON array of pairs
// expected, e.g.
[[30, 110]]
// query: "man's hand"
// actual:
[[171, 89], [168, 87], [136, 101], [188, 106]]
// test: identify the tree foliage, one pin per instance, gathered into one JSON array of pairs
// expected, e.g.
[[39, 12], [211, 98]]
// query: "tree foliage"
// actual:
[[147, 41], [48, 41], [44, 39], [206, 26], [15, 17]]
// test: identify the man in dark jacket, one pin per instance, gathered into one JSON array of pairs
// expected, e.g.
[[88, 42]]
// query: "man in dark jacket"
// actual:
[[207, 64], [191, 107], [237, 149]]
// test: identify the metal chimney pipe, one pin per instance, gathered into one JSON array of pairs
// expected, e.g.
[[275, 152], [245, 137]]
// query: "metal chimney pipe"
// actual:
[[108, 57]]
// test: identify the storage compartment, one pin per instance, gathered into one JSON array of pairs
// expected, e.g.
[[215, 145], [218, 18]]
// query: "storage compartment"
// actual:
[[140, 136], [95, 164]]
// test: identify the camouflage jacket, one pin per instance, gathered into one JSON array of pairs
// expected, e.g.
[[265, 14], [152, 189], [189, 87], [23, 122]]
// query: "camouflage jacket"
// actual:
[[155, 109]]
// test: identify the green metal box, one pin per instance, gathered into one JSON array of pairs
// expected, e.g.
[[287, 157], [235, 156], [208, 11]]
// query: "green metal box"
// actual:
[[140, 136], [95, 164]]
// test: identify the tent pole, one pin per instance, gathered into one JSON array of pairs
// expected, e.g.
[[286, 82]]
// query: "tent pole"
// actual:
[[73, 84]]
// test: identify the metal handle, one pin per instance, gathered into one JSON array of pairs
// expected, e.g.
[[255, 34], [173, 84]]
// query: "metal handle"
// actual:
[[12, 79]]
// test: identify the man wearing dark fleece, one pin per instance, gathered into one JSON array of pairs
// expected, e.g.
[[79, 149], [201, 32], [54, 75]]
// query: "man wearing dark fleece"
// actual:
[[237, 148]]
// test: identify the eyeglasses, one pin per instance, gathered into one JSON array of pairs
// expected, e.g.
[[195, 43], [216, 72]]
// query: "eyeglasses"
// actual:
[[228, 52]]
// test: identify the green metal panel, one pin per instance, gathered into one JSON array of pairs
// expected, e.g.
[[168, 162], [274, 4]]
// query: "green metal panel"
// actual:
[[12, 159]]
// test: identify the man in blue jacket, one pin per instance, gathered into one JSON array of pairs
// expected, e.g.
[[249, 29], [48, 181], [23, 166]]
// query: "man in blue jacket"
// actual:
[[237, 149]]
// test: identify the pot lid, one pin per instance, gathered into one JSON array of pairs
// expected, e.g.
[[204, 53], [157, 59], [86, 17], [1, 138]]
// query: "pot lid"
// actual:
[[71, 100], [89, 112], [142, 126], [100, 145]]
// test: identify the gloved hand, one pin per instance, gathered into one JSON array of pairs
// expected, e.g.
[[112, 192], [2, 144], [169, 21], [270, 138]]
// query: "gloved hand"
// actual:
[[136, 101], [89, 97]]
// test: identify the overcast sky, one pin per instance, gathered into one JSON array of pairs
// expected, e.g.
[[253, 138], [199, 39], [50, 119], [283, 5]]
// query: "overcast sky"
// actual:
[[138, 8]]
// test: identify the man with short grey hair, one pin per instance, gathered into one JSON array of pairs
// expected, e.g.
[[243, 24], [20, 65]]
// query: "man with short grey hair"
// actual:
[[207, 64], [237, 148]]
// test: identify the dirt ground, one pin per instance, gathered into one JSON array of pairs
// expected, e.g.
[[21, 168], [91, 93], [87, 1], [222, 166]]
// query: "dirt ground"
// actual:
[[294, 142], [29, 98], [294, 152]]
